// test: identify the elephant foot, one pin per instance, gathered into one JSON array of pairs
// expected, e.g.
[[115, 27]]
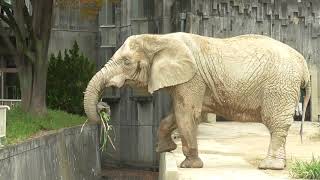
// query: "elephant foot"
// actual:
[[272, 163], [189, 162], [166, 146]]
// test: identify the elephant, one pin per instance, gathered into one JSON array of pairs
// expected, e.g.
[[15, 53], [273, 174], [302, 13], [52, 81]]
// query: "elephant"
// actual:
[[247, 78]]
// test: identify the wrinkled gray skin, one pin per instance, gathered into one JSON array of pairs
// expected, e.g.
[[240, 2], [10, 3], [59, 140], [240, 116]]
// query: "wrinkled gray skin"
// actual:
[[245, 78]]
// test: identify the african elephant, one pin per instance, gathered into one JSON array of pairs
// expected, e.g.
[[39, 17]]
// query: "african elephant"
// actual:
[[245, 78]]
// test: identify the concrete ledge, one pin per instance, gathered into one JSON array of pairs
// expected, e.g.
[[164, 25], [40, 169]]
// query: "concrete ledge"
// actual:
[[63, 154], [168, 167], [232, 150]]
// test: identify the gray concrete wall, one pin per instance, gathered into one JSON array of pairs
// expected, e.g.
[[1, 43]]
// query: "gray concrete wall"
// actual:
[[63, 155], [62, 39], [69, 25]]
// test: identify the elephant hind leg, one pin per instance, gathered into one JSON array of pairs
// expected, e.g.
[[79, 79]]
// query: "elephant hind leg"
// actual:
[[278, 125], [167, 125], [277, 114], [276, 157]]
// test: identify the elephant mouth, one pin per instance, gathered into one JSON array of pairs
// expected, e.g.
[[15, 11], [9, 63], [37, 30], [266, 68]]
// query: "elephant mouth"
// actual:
[[135, 84], [117, 81]]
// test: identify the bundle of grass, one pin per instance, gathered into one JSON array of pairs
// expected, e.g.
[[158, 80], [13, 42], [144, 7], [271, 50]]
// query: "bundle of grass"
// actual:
[[305, 169], [105, 128]]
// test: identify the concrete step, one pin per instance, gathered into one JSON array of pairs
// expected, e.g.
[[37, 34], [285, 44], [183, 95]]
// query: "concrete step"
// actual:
[[232, 150]]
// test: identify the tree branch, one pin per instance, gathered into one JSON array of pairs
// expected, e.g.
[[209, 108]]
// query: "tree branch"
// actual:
[[7, 8], [30, 55], [46, 22], [41, 24], [28, 21], [5, 4], [10, 20], [36, 17], [27, 17], [18, 18], [6, 39], [5, 19]]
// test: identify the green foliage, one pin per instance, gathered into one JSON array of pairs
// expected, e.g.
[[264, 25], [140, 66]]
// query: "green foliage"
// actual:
[[22, 125], [306, 170], [68, 78], [106, 128]]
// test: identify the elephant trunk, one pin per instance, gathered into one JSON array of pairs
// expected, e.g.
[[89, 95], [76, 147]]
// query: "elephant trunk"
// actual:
[[95, 89]]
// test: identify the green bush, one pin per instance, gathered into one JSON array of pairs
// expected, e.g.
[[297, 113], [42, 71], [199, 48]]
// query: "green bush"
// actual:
[[305, 169], [67, 79]]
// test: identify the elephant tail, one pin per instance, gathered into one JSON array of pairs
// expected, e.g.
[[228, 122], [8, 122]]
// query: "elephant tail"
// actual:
[[306, 99]]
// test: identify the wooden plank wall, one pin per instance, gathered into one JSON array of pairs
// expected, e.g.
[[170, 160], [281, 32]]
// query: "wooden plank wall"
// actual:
[[294, 22], [136, 114]]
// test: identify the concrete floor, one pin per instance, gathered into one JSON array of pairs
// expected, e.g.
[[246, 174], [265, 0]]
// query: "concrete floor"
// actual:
[[232, 150]]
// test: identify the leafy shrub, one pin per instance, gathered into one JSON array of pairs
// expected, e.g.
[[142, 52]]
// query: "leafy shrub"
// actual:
[[68, 77], [306, 170]]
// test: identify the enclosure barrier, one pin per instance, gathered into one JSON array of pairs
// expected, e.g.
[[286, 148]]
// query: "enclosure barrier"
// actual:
[[63, 154], [10, 102]]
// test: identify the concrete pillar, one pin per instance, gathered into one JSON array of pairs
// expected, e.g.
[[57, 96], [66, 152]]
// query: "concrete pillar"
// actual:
[[166, 16], [168, 168], [212, 118], [314, 93], [208, 117], [318, 95]]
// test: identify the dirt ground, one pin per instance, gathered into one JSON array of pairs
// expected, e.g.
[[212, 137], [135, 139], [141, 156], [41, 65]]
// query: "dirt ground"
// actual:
[[249, 141]]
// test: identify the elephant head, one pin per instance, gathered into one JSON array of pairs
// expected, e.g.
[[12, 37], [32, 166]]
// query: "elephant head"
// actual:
[[151, 61]]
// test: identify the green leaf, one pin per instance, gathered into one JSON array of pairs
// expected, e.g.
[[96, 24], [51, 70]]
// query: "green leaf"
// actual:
[[305, 169]]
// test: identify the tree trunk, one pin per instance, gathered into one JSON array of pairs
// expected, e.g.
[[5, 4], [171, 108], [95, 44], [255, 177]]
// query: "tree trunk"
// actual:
[[33, 78], [33, 88], [38, 101], [25, 79]]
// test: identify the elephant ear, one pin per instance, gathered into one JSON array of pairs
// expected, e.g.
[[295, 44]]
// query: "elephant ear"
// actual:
[[172, 65]]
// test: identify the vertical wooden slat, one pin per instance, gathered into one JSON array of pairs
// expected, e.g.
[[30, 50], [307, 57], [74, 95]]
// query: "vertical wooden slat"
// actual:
[[283, 9], [145, 113]]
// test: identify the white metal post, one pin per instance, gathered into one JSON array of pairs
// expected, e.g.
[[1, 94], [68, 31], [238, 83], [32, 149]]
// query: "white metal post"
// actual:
[[3, 120]]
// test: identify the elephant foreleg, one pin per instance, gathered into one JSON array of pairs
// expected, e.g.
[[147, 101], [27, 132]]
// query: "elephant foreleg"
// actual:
[[167, 125], [188, 130], [187, 104]]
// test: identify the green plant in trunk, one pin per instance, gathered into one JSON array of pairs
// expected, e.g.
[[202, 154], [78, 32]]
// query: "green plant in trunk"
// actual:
[[305, 169], [68, 77], [105, 128]]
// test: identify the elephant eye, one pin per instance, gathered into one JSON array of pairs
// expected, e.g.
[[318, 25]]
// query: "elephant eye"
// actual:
[[127, 62]]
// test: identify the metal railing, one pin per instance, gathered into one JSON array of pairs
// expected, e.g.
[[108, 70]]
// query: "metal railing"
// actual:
[[10, 102]]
